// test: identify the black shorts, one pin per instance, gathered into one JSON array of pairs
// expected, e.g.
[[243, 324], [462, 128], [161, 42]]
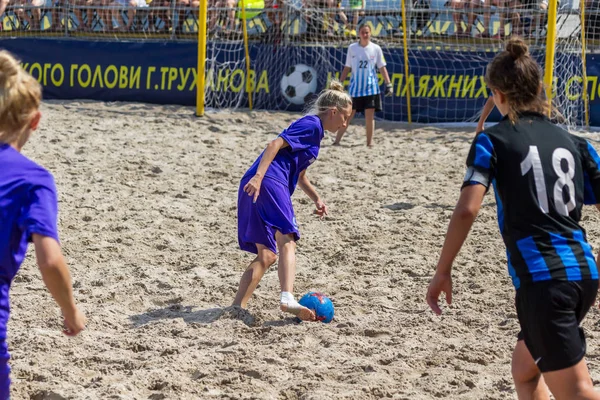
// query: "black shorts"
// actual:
[[360, 104], [549, 314]]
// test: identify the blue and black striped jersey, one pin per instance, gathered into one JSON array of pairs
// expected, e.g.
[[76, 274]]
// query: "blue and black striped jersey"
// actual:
[[542, 175]]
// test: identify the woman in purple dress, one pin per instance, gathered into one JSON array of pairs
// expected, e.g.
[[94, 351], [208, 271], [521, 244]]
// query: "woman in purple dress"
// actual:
[[266, 221], [28, 206]]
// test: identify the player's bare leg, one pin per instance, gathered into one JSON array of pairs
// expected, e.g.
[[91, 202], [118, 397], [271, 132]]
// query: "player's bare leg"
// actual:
[[529, 382], [340, 133], [253, 275], [573, 383], [3, 5], [487, 14], [370, 125], [287, 272]]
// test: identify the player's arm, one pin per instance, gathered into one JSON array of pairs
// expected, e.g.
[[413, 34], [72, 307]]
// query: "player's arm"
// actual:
[[311, 192], [347, 65], [57, 279], [345, 73], [485, 113], [598, 255], [386, 77], [307, 187], [269, 155], [464, 215], [389, 90], [591, 167], [253, 186], [462, 219]]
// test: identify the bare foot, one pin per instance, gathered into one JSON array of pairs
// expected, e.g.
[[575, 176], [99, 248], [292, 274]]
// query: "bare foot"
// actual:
[[336, 144], [305, 314]]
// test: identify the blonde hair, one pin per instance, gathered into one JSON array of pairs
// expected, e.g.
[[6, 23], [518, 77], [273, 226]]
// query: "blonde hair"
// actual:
[[333, 97], [20, 97]]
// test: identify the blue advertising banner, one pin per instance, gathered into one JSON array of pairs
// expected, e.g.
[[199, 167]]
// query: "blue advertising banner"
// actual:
[[444, 86], [163, 73]]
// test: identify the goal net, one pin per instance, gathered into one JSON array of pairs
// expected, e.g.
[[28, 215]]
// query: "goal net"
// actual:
[[295, 47], [569, 74], [302, 45]]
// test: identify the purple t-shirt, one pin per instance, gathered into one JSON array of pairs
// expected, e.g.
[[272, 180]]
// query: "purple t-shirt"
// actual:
[[28, 205], [304, 138]]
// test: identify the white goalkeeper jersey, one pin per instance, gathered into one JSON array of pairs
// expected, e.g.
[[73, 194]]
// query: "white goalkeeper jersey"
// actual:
[[364, 62]]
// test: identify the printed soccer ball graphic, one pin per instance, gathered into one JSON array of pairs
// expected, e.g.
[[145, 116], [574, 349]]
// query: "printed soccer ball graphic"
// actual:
[[299, 84], [320, 304]]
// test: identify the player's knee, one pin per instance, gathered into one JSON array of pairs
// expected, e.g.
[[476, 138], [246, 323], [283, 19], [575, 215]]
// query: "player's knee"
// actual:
[[583, 389], [286, 242], [284, 239], [576, 390], [267, 259], [524, 374], [270, 259]]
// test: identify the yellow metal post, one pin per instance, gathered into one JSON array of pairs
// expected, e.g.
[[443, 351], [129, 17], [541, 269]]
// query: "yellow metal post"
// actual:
[[550, 51], [584, 93], [245, 32], [202, 43], [406, 68]]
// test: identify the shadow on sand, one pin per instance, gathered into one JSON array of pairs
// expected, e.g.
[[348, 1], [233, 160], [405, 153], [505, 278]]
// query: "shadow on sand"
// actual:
[[207, 316]]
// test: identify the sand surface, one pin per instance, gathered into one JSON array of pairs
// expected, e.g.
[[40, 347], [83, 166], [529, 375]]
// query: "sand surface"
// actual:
[[148, 225]]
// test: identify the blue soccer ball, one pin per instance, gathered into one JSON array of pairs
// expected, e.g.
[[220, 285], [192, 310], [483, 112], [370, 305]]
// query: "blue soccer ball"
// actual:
[[320, 304]]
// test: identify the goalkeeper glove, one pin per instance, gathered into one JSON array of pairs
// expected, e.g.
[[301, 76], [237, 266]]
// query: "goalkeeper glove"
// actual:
[[389, 90]]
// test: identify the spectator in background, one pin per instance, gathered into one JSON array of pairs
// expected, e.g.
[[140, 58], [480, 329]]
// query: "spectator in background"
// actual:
[[318, 18], [105, 15], [36, 12], [421, 16], [487, 6], [183, 7], [161, 12], [535, 9], [131, 6], [116, 15], [85, 25], [342, 15], [213, 16], [230, 22], [540, 18], [327, 15], [274, 10], [3, 5], [461, 8], [358, 7], [58, 9], [321, 17]]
